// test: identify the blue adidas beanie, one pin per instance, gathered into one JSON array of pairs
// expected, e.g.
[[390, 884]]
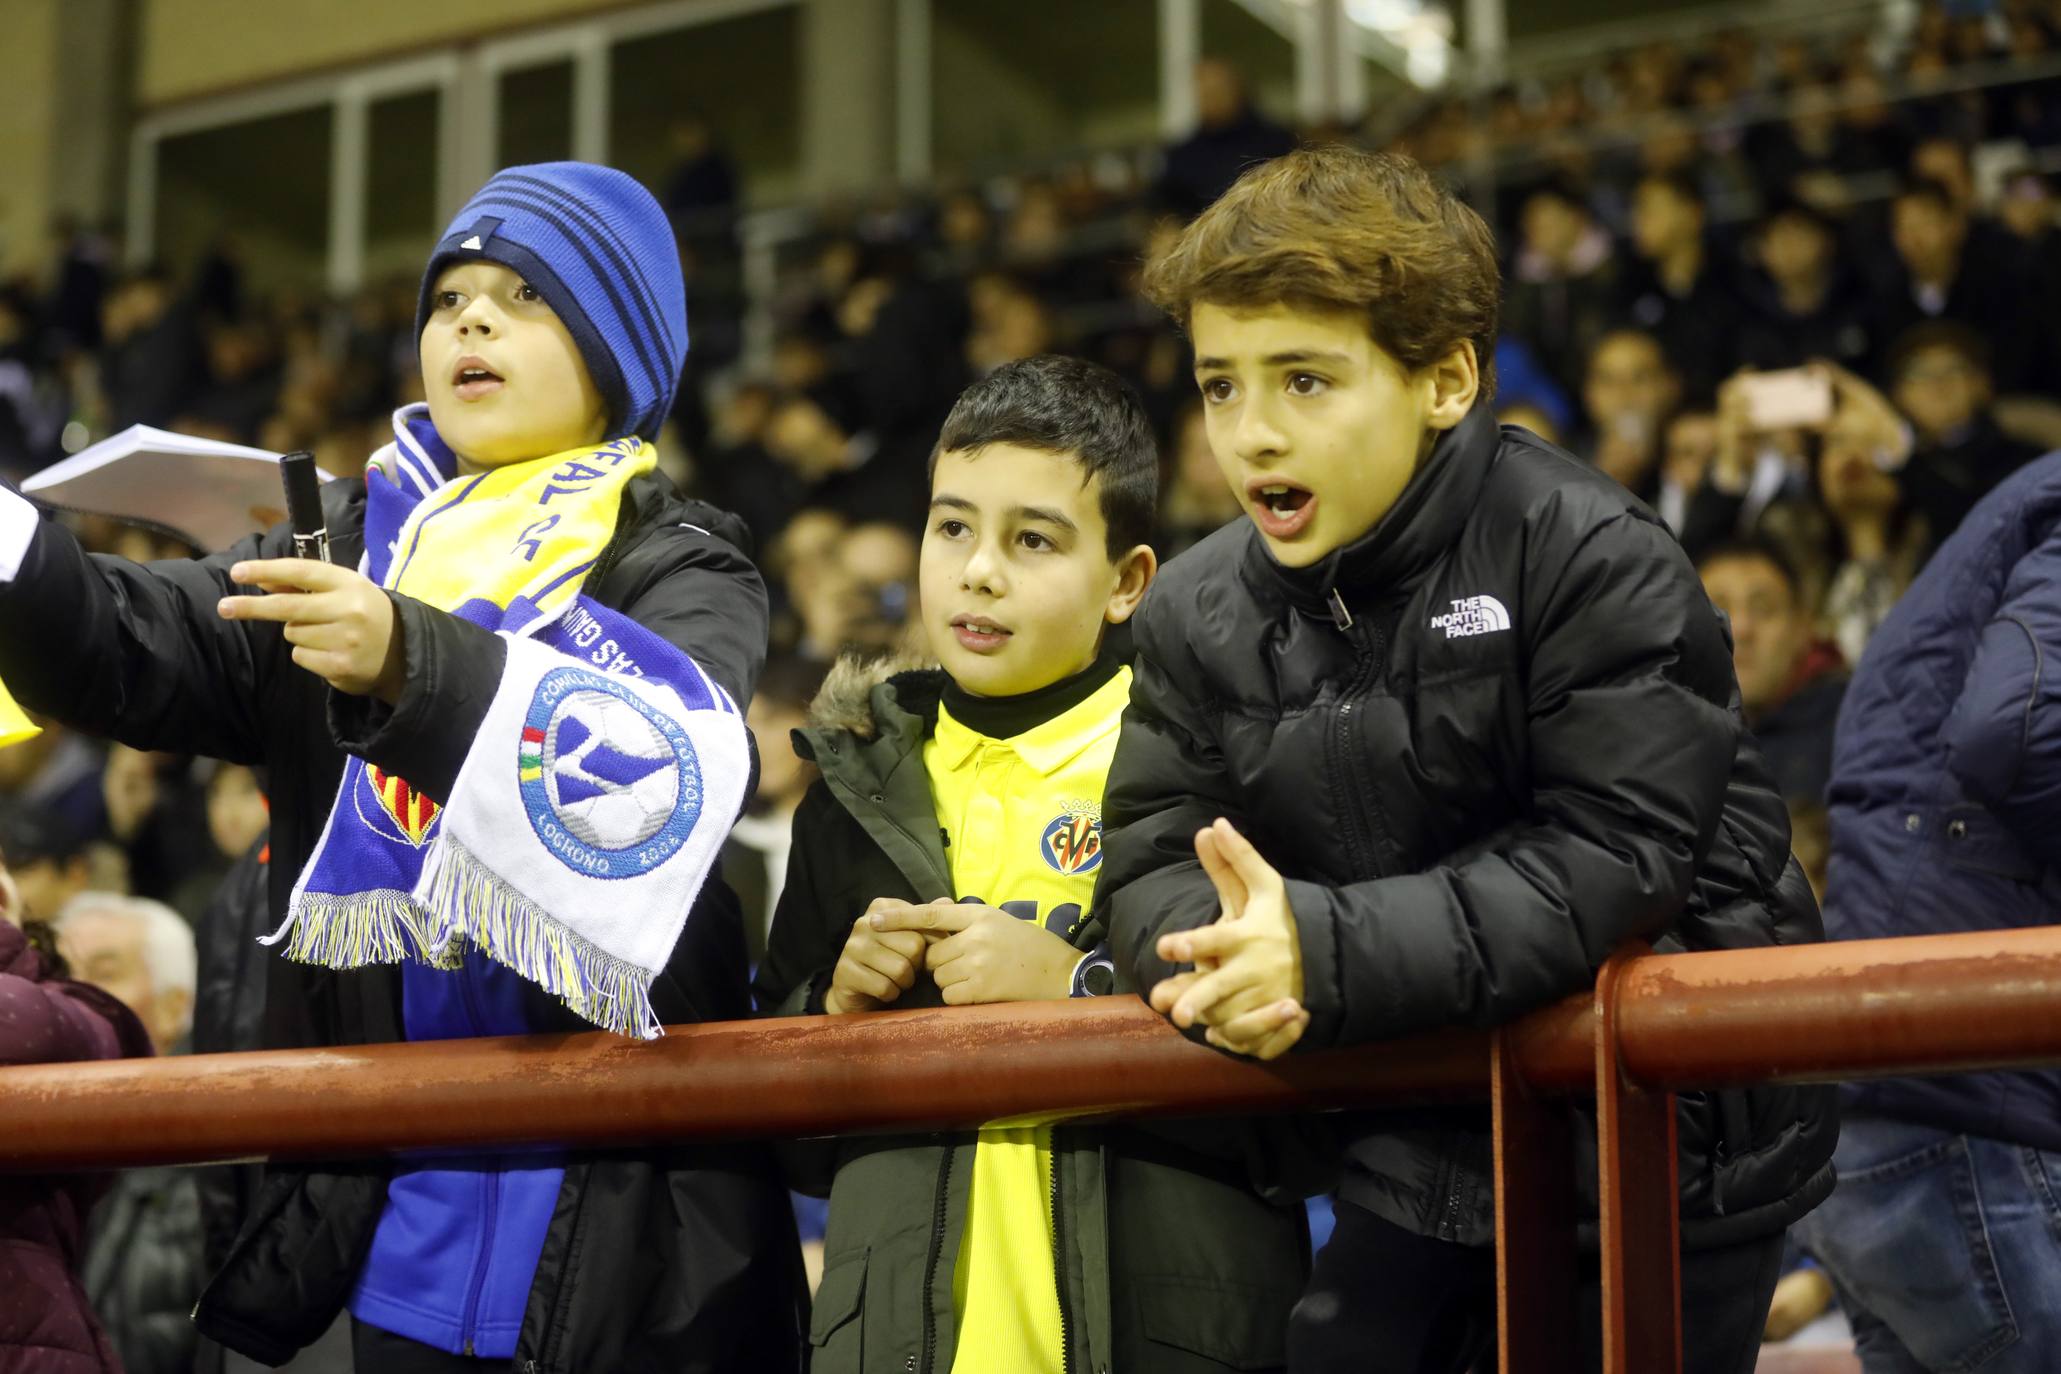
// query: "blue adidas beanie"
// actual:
[[598, 249]]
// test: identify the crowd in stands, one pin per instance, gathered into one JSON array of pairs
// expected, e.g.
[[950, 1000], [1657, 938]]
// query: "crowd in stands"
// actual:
[[1675, 220]]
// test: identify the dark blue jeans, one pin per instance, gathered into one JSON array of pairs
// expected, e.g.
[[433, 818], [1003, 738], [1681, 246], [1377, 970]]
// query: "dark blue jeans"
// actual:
[[1945, 1250]]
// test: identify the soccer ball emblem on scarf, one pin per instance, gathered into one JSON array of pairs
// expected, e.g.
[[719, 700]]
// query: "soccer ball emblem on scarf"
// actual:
[[611, 786]]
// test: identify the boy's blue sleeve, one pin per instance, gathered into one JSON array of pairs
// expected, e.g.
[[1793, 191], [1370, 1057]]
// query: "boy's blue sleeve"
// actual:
[[133, 652], [2003, 737]]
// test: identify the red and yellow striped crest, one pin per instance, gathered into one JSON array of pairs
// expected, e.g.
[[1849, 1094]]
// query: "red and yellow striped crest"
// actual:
[[411, 811]]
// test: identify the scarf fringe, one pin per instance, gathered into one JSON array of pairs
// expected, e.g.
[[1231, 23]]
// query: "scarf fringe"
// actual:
[[480, 907], [353, 929]]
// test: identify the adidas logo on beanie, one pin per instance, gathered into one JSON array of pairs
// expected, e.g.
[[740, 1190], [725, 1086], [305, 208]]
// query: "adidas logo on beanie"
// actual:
[[597, 247]]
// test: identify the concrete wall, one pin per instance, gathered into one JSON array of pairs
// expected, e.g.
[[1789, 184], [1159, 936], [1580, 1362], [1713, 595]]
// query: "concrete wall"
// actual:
[[28, 121], [188, 48]]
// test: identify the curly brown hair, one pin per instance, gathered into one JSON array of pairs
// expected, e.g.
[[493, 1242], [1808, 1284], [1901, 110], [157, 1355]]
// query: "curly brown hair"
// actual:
[[1334, 227]]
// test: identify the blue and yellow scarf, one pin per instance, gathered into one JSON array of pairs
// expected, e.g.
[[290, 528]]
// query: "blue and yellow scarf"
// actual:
[[596, 795]]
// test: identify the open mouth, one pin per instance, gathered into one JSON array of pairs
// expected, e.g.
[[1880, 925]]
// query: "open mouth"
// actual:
[[1281, 509], [472, 379], [981, 635]]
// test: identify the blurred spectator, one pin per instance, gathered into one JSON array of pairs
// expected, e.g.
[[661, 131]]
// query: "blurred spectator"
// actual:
[[965, 232], [1941, 379], [1009, 324], [880, 561], [242, 385], [79, 287], [1525, 415], [29, 408], [1802, 301], [1789, 685], [46, 1323], [1195, 499], [1939, 1234], [1628, 392], [701, 189], [755, 858], [144, 1263], [1936, 278], [1677, 291], [1230, 135], [2025, 210], [824, 459], [140, 951], [237, 813], [1563, 287], [1879, 536], [1687, 447], [849, 587], [154, 817], [151, 366], [46, 860]]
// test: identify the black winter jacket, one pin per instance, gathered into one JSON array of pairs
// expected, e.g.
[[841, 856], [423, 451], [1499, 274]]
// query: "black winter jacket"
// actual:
[[1486, 745], [676, 1259]]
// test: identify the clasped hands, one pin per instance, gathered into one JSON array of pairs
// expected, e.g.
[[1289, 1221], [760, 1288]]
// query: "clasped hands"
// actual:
[[974, 953]]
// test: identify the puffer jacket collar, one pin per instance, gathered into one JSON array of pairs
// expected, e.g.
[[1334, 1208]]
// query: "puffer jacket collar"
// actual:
[[1421, 526]]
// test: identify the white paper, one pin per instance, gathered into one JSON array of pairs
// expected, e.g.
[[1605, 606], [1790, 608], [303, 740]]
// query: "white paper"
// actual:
[[207, 492]]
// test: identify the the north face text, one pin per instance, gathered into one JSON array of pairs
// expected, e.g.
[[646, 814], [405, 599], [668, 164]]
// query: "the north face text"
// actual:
[[1472, 615]]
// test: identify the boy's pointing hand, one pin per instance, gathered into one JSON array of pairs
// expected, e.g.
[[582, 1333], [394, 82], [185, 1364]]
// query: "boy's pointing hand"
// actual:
[[342, 627], [1247, 983]]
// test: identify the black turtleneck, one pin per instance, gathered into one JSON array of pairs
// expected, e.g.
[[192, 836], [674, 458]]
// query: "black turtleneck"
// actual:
[[1007, 717]]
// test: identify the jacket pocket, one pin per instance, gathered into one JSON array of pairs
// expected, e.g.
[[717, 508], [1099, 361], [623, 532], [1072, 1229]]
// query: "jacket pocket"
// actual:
[[1230, 1326], [1975, 841], [834, 1328]]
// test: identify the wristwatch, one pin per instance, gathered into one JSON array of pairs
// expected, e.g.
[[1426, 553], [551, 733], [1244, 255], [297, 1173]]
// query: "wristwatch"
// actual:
[[1094, 975]]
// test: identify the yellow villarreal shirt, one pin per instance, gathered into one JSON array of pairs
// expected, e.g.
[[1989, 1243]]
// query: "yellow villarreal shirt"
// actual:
[[1023, 825]]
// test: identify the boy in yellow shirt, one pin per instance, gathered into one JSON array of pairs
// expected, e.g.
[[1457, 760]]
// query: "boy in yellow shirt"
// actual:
[[949, 855]]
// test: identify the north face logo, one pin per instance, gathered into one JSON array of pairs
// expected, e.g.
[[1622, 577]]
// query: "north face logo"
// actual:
[[1472, 615]]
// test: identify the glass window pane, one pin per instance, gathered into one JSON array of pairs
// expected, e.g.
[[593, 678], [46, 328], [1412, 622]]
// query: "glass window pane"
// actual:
[[401, 184], [204, 197], [1012, 83], [1265, 56], [536, 114], [686, 100]]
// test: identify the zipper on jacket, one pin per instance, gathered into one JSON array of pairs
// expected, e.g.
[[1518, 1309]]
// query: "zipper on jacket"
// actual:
[[1359, 803], [1059, 1262], [1450, 1228], [478, 1284], [479, 1274], [937, 1243]]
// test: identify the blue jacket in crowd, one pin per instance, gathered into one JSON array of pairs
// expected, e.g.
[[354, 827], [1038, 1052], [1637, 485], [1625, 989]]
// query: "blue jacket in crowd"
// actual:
[[1946, 778]]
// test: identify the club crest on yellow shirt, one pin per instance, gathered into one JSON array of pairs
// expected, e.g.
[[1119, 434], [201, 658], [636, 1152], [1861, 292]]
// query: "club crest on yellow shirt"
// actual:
[[1072, 842]]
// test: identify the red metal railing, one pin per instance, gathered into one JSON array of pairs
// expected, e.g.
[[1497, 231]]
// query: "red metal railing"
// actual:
[[1654, 1024]]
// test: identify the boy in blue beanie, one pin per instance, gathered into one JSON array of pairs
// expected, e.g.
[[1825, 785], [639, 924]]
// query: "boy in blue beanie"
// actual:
[[503, 734]]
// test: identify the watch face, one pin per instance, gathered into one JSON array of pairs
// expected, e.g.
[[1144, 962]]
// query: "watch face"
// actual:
[[1098, 980]]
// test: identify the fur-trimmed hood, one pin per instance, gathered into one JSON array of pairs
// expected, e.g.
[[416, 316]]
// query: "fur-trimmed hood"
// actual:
[[846, 699]]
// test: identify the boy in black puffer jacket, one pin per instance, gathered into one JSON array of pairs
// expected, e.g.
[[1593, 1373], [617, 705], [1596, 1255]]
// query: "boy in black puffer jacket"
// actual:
[[1447, 721]]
